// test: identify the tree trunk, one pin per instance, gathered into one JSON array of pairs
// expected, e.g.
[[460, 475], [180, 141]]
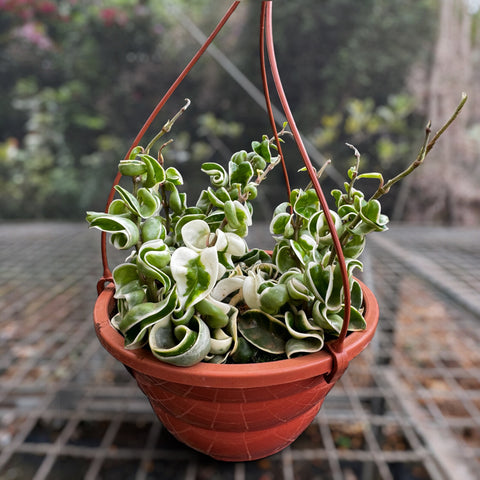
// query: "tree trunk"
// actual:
[[445, 189]]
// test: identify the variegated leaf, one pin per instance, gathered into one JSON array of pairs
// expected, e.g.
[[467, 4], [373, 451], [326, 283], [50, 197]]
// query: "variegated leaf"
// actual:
[[132, 167], [153, 257], [273, 298], [240, 173], [306, 336], [183, 346], [319, 229], [124, 232], [220, 342], [174, 176], [136, 322], [218, 175], [263, 331], [153, 229], [214, 313], [154, 171], [196, 235], [306, 203], [284, 258], [194, 273], [127, 284]]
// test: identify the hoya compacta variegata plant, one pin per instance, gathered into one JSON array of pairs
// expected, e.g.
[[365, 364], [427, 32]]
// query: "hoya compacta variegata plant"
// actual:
[[191, 289]]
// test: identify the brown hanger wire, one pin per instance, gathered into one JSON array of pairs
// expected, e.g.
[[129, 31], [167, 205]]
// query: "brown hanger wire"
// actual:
[[336, 347], [107, 274]]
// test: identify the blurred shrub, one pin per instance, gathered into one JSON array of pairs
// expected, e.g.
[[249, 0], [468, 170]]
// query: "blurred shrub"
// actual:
[[77, 79]]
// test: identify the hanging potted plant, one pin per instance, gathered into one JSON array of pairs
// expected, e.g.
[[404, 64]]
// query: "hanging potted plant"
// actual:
[[236, 346]]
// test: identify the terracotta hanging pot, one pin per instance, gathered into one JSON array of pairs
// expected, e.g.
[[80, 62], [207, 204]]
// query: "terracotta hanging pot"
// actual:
[[239, 412], [233, 412]]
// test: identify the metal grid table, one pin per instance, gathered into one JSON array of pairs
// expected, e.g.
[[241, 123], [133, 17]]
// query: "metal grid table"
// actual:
[[407, 408]]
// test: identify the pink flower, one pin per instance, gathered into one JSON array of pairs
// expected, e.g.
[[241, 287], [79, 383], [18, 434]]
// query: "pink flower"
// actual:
[[34, 33]]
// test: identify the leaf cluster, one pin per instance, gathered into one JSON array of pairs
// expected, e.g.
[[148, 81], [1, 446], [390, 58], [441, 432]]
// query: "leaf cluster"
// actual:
[[191, 290]]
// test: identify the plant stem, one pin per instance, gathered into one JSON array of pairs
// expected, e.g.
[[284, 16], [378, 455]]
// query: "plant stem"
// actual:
[[319, 173], [269, 168], [151, 287], [426, 147], [166, 207], [382, 190], [168, 126], [355, 172], [424, 150], [282, 132]]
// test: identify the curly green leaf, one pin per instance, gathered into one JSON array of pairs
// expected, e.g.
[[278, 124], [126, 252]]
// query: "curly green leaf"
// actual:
[[132, 168], [184, 346], [124, 232], [306, 203], [218, 175], [153, 257], [263, 331], [306, 336], [154, 171], [240, 173], [136, 322], [127, 284]]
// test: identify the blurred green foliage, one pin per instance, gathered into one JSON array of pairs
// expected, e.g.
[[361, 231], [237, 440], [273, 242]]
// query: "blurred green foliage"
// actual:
[[385, 129], [79, 78]]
